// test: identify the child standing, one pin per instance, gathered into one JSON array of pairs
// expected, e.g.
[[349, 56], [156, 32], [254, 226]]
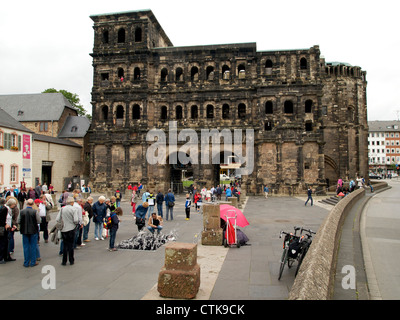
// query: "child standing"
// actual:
[[114, 227], [188, 203]]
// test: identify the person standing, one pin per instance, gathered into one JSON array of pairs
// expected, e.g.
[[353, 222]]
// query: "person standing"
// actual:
[[69, 215], [22, 197], [266, 191], [159, 201], [114, 227], [44, 212], [169, 203], [309, 196], [99, 213], [133, 201], [89, 211], [28, 221], [118, 197], [188, 204], [151, 200]]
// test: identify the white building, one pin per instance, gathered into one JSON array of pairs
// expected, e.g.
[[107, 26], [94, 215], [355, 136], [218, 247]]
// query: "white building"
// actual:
[[15, 152]]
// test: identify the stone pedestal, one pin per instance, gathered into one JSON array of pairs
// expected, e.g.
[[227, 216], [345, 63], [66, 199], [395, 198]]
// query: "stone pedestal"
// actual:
[[212, 234], [180, 276], [233, 201]]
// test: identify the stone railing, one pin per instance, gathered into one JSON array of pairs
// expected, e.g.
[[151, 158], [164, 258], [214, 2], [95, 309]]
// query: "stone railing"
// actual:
[[315, 280]]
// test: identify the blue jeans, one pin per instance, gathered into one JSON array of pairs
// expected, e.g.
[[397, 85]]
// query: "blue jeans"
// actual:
[[149, 211], [159, 210], [170, 209], [309, 197], [98, 229], [113, 234], [29, 243], [151, 229], [86, 231]]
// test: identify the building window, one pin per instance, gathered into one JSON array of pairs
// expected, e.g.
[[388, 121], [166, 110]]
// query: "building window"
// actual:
[[138, 35], [225, 72], [225, 111], [288, 107], [43, 127], [120, 74], [210, 73], [194, 74], [308, 106], [1, 139], [104, 113], [120, 115], [303, 64], [268, 67], [269, 108], [178, 74], [194, 112], [164, 74], [74, 129], [136, 73], [164, 113], [268, 126], [210, 111], [308, 126], [136, 112], [13, 173], [105, 36], [242, 71], [121, 35], [178, 113]]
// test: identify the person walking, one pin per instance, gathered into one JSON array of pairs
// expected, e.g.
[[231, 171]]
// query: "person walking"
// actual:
[[114, 227], [309, 196], [99, 213], [266, 191], [169, 203], [70, 218], [44, 212], [133, 201], [188, 204], [159, 201], [28, 221]]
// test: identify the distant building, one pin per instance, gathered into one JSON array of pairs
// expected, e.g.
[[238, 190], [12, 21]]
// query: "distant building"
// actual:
[[15, 152], [59, 141], [384, 146]]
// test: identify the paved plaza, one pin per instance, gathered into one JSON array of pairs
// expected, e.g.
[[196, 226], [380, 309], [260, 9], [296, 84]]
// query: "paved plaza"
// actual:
[[249, 272]]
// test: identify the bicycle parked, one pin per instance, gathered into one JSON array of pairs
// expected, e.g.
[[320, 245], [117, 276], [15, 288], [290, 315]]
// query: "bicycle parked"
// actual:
[[294, 248], [305, 242]]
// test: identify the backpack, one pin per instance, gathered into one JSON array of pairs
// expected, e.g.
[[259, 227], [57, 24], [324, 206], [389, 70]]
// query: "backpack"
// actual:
[[109, 222]]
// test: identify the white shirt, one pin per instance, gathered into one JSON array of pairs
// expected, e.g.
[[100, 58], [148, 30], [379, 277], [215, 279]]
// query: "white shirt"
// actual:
[[42, 210]]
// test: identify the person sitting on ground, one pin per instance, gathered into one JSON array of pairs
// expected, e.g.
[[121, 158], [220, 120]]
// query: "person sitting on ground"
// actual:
[[155, 223]]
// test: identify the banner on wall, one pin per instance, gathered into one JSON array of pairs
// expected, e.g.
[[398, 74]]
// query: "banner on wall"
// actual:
[[26, 147]]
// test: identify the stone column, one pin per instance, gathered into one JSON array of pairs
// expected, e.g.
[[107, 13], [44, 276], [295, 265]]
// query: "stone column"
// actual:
[[212, 234], [180, 276]]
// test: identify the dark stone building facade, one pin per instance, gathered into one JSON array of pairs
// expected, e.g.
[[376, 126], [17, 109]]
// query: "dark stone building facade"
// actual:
[[309, 117]]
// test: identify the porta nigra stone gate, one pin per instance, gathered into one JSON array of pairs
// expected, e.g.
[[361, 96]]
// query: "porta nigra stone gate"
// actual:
[[309, 116]]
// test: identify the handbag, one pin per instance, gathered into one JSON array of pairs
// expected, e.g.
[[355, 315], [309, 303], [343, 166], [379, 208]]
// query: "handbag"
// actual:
[[60, 224], [171, 204], [85, 219]]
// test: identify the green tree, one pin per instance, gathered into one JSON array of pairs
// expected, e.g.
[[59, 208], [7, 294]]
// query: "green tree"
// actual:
[[73, 98]]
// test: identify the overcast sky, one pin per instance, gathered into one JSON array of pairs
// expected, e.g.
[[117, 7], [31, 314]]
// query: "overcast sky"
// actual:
[[46, 44]]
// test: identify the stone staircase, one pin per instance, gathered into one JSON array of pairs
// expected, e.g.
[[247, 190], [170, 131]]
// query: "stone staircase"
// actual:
[[333, 200]]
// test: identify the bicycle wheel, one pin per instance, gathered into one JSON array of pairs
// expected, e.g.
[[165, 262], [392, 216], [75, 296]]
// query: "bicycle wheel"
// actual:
[[283, 262], [301, 256]]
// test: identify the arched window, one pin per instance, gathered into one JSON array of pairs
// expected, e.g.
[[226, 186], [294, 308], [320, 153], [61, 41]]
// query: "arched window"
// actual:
[[120, 115], [225, 72], [269, 108], [194, 112], [225, 111], [303, 64], [104, 113], [242, 71], [268, 64], [136, 73], [121, 74], [178, 74], [164, 74], [164, 113], [210, 111], [105, 36], [308, 126], [194, 74], [178, 113], [288, 107], [138, 34], [136, 112], [308, 106], [242, 111], [210, 73], [121, 35]]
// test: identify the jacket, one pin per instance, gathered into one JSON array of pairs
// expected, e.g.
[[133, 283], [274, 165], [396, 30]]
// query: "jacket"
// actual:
[[69, 216], [114, 221], [99, 212], [141, 212], [160, 198], [28, 221], [169, 197]]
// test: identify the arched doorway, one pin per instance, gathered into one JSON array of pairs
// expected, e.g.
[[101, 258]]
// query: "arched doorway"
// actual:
[[180, 173], [226, 168]]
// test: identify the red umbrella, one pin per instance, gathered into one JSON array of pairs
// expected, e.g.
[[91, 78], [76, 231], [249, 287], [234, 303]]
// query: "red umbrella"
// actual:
[[228, 210]]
